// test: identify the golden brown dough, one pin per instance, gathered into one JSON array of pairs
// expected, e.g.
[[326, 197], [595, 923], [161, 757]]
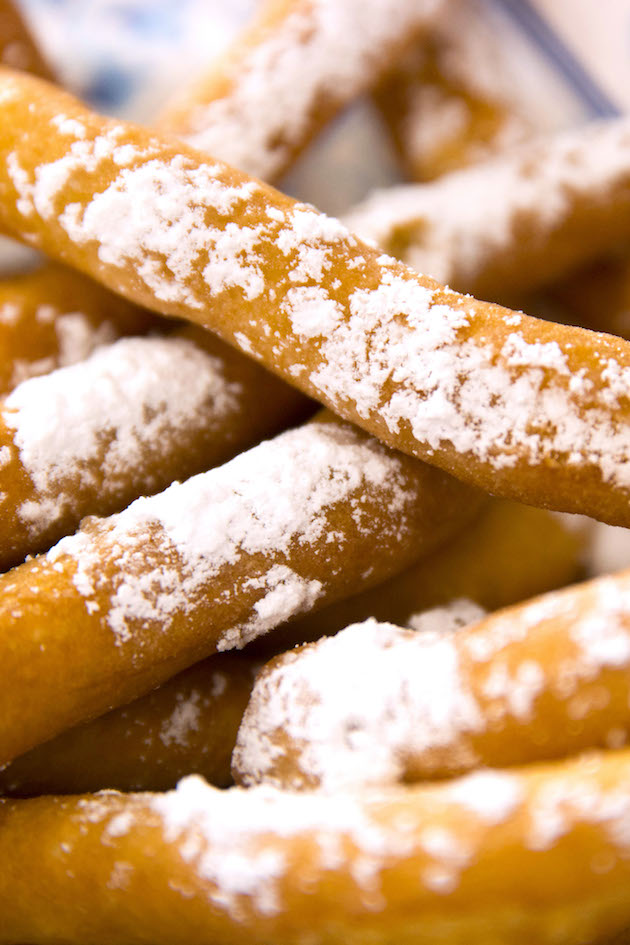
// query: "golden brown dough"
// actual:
[[208, 565], [17, 47], [522, 408], [294, 67], [53, 316], [458, 95], [544, 679], [540, 854], [514, 222], [90, 438], [596, 295], [187, 725], [508, 553]]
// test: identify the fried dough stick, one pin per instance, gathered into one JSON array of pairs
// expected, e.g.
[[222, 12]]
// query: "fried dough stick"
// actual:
[[547, 678], [519, 407], [188, 724], [294, 67], [209, 564], [458, 95], [540, 854], [507, 553], [514, 222], [134, 416]]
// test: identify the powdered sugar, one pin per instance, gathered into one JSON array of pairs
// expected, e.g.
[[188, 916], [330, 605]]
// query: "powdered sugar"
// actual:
[[520, 403], [384, 345], [240, 841], [77, 337], [166, 218], [456, 226], [183, 720], [458, 613], [356, 707], [254, 505], [96, 418], [322, 51], [491, 795], [286, 594]]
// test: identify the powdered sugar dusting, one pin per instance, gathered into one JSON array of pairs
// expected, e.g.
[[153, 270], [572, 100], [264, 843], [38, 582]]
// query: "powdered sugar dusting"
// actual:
[[286, 594], [320, 51], [456, 226], [383, 345], [165, 217], [107, 410], [240, 841], [357, 706], [77, 338], [563, 802], [458, 613], [254, 505], [520, 403], [491, 795], [183, 720]]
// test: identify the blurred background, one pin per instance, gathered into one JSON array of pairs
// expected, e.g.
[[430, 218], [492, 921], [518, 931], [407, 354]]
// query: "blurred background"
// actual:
[[126, 57]]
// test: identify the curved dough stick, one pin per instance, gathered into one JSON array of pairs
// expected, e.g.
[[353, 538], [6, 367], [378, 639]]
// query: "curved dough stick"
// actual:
[[508, 553], [293, 68], [207, 565], [17, 47], [521, 408], [53, 317], [188, 724], [540, 854], [544, 679], [514, 222], [458, 95], [133, 417]]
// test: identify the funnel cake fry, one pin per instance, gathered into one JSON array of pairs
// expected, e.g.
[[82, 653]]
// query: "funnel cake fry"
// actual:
[[544, 679], [208, 565], [519, 407], [296, 65], [187, 724], [540, 854], [90, 438], [507, 553], [458, 95], [515, 221]]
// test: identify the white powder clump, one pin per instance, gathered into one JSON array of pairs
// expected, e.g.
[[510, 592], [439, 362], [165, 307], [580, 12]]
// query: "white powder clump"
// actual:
[[78, 337], [261, 503], [603, 634], [565, 801], [357, 706], [324, 51], [286, 594], [493, 796], [183, 720], [239, 841], [458, 613], [108, 409], [165, 235]]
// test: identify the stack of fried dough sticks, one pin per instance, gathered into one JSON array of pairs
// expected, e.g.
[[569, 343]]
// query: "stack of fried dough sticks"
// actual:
[[441, 759]]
